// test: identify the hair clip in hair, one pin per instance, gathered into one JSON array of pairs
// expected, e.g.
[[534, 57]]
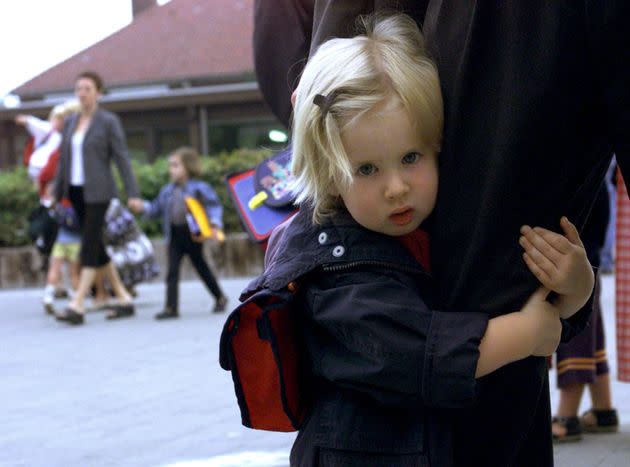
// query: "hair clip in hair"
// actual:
[[324, 102]]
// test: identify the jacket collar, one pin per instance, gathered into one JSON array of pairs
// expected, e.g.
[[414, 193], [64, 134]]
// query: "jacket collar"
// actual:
[[306, 246]]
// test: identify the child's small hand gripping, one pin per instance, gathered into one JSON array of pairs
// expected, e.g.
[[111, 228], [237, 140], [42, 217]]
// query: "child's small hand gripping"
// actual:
[[560, 264]]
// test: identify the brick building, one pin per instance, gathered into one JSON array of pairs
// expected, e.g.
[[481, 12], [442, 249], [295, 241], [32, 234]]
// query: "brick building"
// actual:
[[180, 73]]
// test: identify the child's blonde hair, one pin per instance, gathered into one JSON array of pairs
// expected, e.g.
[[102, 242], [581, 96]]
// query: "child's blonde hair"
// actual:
[[64, 109], [190, 160], [355, 75]]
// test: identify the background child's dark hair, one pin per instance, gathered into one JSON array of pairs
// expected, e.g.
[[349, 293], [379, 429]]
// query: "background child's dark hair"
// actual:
[[190, 160]]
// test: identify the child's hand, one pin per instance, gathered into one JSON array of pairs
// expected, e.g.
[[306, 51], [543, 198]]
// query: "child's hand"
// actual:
[[560, 264], [543, 321]]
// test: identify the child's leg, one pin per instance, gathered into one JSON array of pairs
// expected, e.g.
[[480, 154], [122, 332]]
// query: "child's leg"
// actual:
[[175, 255], [54, 273], [75, 270], [195, 253]]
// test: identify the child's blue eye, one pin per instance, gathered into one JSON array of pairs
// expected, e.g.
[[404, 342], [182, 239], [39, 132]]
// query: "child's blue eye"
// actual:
[[366, 169], [411, 157]]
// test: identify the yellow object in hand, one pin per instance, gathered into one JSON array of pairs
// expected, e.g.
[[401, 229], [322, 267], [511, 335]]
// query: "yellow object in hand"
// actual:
[[257, 200]]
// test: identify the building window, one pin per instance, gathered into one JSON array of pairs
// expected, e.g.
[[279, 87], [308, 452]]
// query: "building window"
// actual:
[[137, 145], [250, 135], [169, 139]]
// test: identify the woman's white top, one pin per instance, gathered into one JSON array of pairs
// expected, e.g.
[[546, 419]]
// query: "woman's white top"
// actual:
[[46, 142], [77, 177]]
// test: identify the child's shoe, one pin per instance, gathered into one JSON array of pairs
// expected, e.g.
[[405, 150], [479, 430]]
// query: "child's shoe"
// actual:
[[167, 313], [49, 308], [49, 296], [61, 293], [220, 304]]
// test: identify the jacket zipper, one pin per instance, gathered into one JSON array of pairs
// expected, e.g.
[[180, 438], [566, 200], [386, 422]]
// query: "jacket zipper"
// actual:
[[354, 264]]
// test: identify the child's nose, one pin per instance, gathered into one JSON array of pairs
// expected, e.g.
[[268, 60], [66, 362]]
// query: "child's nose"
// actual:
[[396, 187]]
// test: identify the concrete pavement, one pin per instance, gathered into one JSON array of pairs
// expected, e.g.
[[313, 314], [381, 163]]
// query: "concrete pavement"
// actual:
[[138, 392]]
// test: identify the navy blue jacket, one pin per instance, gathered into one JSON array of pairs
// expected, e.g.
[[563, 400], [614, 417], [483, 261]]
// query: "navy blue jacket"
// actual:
[[386, 368]]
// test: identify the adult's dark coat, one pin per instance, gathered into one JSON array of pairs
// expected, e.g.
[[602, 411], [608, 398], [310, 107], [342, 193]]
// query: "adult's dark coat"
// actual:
[[387, 370], [536, 102]]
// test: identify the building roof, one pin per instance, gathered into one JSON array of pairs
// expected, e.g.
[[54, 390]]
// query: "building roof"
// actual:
[[185, 42]]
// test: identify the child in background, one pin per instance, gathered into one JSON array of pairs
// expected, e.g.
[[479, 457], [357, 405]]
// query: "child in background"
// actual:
[[386, 370], [65, 251], [42, 151], [183, 166]]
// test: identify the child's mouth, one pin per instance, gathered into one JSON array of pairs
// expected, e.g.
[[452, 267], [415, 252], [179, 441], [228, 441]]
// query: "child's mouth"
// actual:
[[402, 218]]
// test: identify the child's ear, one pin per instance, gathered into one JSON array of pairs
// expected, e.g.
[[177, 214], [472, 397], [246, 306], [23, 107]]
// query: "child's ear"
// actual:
[[293, 97]]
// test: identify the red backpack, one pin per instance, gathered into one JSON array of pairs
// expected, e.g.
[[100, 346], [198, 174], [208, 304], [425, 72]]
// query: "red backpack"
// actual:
[[259, 345]]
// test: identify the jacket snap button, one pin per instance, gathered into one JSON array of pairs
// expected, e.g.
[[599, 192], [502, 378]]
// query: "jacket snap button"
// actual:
[[322, 238], [338, 251]]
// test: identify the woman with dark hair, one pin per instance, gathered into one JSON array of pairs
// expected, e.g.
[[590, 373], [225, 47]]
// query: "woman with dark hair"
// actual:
[[92, 140]]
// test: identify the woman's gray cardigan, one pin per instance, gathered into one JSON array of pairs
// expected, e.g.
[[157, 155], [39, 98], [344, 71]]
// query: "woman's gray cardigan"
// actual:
[[103, 143]]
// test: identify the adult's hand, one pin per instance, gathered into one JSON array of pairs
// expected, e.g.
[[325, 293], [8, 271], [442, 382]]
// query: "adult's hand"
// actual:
[[21, 119], [136, 205]]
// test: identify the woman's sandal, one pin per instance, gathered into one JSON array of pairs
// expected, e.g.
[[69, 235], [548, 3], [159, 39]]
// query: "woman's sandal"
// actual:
[[605, 421], [120, 311], [572, 427], [70, 316]]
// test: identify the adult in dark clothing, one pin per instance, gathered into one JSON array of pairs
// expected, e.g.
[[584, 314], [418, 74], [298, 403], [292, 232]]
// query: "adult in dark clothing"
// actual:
[[92, 140], [536, 103]]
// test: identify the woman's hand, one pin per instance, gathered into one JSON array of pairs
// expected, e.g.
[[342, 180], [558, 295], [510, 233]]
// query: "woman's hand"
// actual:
[[560, 264], [136, 205]]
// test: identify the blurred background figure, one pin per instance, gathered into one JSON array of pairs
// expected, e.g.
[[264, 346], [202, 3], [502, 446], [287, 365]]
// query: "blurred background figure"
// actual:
[[179, 228], [41, 155], [41, 152], [582, 361], [607, 256], [92, 140]]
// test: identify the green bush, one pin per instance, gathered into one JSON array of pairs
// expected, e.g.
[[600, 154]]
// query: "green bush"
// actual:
[[18, 195], [18, 198], [152, 177]]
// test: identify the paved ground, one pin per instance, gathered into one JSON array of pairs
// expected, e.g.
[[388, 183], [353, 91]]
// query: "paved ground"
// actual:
[[143, 393]]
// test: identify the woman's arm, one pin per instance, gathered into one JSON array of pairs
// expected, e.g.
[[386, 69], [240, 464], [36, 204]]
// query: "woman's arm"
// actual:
[[120, 155]]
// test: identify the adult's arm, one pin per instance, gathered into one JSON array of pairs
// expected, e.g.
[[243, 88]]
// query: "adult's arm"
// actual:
[[609, 45], [337, 18], [282, 37], [120, 155]]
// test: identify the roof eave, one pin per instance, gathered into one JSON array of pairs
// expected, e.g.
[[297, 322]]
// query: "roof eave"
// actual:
[[167, 98]]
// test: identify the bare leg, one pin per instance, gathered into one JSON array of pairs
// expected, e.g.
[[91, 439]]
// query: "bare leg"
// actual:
[[600, 392], [568, 405], [111, 273], [101, 296], [54, 271], [86, 279], [75, 271]]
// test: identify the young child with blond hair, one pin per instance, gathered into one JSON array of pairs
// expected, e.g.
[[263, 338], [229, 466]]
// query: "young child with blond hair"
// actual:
[[387, 370]]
